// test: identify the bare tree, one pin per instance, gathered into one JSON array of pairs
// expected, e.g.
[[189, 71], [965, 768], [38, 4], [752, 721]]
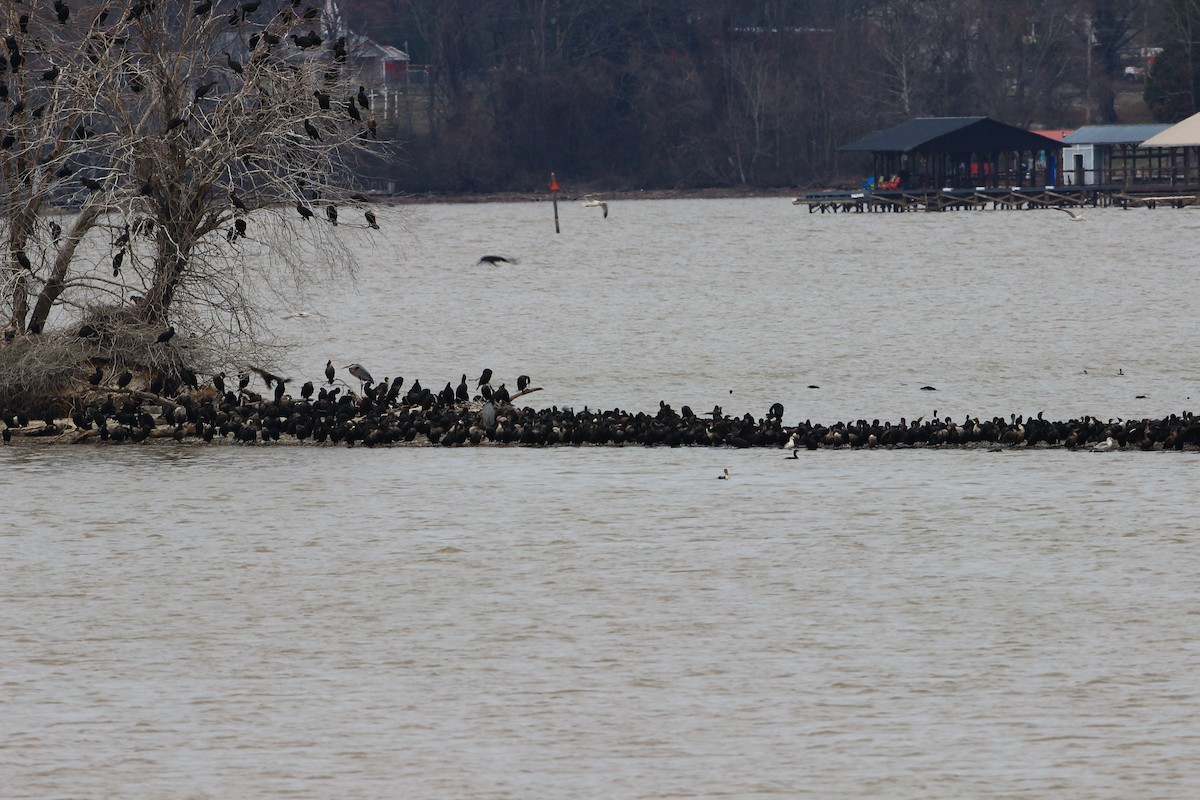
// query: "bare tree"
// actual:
[[174, 134]]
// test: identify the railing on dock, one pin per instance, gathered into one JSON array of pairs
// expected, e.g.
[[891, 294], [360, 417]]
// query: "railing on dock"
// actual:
[[1007, 197]]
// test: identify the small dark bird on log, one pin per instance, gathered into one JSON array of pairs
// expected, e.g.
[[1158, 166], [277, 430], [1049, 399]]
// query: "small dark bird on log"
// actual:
[[329, 371], [494, 260], [166, 335], [371, 221], [501, 394], [522, 382]]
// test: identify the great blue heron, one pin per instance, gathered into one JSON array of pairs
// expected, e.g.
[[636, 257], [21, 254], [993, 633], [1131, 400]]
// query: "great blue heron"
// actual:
[[360, 372]]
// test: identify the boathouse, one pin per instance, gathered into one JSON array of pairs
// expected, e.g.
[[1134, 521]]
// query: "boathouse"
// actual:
[[932, 153], [1181, 142], [1095, 155]]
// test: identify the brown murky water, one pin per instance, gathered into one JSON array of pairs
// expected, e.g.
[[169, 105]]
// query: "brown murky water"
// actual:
[[505, 622]]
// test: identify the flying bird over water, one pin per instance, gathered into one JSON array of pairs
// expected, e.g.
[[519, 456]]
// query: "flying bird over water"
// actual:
[[495, 260], [1075, 216], [591, 202]]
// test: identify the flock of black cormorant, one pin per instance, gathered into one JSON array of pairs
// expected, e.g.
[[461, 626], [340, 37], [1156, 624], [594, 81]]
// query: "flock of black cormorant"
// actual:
[[114, 409]]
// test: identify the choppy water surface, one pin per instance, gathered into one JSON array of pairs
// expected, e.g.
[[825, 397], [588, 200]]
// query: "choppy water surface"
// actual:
[[221, 622]]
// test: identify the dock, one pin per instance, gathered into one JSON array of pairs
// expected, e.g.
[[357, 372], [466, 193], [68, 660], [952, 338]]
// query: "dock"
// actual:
[[1008, 197]]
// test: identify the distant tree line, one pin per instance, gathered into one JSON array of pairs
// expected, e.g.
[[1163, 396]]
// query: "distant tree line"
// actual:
[[694, 93]]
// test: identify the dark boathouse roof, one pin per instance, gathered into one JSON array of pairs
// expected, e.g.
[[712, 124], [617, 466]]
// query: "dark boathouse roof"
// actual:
[[950, 135]]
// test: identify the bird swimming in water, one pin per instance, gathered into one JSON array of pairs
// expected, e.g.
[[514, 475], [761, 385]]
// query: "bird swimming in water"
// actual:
[[724, 476], [495, 260], [793, 444], [591, 202]]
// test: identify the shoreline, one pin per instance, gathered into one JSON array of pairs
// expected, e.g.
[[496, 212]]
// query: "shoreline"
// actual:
[[433, 198]]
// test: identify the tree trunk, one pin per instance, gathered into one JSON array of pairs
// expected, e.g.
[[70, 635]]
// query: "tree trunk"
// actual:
[[62, 264]]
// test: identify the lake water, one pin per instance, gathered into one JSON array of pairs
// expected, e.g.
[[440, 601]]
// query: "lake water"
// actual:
[[213, 622]]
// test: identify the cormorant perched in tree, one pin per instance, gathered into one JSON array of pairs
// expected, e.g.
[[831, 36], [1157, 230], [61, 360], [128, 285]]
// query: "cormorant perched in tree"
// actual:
[[361, 97], [219, 382], [304, 210], [331, 213], [202, 90], [522, 382], [94, 378], [166, 335], [353, 111], [62, 10], [322, 99], [91, 184], [123, 379], [371, 221], [237, 201], [202, 8], [233, 65], [312, 131]]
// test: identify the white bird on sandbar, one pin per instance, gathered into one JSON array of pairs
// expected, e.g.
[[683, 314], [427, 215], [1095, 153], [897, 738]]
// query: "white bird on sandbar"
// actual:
[[591, 202], [1105, 446], [1075, 217]]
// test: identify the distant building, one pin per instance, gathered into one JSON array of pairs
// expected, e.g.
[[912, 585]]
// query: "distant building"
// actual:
[[1113, 154], [957, 152]]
